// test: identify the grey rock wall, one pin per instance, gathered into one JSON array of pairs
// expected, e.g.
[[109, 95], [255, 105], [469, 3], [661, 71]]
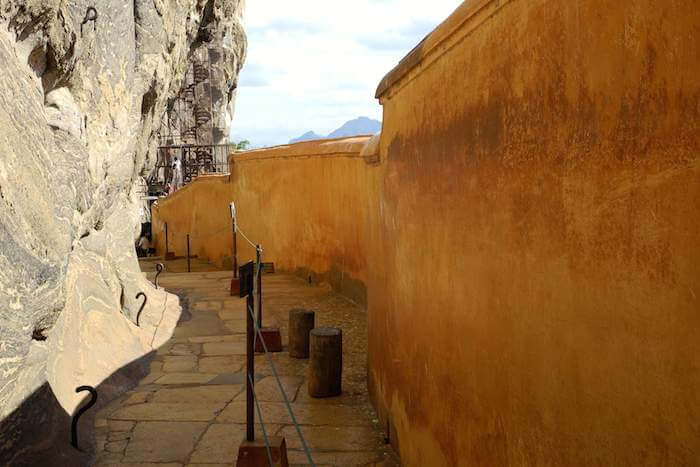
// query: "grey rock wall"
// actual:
[[83, 86]]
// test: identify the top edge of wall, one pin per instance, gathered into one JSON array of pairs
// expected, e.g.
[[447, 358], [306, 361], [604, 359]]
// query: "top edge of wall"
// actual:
[[437, 42], [351, 146], [203, 178]]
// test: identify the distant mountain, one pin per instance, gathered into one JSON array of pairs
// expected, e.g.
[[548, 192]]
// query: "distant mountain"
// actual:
[[308, 136], [359, 126]]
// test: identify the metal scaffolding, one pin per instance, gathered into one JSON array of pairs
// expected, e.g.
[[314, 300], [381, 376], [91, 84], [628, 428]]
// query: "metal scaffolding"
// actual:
[[190, 118], [191, 130]]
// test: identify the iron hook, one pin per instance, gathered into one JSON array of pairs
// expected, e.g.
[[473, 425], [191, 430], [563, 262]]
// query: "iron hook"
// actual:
[[74, 423], [143, 305], [90, 15], [159, 269]]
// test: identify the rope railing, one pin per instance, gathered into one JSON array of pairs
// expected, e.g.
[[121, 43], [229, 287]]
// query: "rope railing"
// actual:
[[201, 237], [238, 230], [262, 425], [257, 333], [207, 235], [253, 332]]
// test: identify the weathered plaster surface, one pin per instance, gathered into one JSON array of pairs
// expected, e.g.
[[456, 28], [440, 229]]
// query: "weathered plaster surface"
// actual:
[[535, 300]]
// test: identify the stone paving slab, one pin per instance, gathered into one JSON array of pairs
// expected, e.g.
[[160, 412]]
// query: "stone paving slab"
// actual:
[[267, 389], [219, 443], [334, 438], [193, 410], [272, 412], [221, 364], [190, 409], [163, 441], [179, 363], [201, 394], [227, 338], [225, 348], [284, 364], [185, 378], [306, 414], [120, 425]]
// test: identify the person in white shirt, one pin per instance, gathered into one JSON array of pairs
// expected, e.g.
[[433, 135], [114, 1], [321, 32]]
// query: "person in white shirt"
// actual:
[[177, 174], [143, 247]]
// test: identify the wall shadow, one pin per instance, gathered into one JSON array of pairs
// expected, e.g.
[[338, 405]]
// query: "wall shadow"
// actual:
[[38, 432]]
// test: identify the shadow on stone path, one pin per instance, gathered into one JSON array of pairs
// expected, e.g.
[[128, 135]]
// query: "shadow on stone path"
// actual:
[[190, 409]]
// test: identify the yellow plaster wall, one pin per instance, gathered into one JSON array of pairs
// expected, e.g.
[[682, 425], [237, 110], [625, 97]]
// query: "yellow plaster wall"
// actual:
[[535, 238], [201, 210], [304, 203]]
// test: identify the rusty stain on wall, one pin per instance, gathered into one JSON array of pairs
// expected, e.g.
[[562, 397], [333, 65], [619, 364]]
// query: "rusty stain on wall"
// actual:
[[540, 171]]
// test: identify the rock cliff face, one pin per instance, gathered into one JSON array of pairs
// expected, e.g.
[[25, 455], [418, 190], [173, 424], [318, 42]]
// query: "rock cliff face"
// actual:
[[82, 90]]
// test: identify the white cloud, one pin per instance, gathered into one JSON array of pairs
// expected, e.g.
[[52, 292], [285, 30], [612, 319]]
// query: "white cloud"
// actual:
[[314, 64]]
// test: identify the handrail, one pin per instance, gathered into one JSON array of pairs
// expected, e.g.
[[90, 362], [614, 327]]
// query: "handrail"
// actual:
[[256, 325]]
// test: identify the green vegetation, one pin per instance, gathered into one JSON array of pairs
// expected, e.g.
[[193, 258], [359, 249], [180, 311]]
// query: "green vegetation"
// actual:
[[241, 145]]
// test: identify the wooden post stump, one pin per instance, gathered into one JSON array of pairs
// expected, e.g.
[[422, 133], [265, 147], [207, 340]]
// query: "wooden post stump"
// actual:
[[301, 322], [326, 362]]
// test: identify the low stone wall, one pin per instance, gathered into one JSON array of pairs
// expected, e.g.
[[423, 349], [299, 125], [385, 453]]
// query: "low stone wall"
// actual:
[[200, 210], [306, 204]]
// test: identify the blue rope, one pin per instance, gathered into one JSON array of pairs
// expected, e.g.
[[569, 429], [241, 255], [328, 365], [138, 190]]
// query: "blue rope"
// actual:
[[269, 359], [262, 424], [284, 394]]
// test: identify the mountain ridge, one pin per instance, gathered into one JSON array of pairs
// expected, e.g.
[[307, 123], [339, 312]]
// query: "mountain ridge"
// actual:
[[355, 127], [308, 136]]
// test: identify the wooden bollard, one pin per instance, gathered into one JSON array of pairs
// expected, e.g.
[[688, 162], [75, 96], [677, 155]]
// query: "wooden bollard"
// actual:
[[326, 362], [301, 322]]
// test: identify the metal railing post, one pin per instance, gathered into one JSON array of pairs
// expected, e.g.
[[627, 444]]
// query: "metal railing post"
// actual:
[[188, 253], [250, 368], [235, 250], [183, 164], [258, 267]]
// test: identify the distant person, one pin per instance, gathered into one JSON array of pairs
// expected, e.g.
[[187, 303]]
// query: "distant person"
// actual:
[[144, 246], [176, 183]]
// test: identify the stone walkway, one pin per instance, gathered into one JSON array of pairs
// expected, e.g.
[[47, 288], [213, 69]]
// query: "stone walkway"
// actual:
[[190, 409]]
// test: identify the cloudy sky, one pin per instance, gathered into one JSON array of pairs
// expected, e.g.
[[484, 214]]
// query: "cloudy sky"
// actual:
[[315, 64]]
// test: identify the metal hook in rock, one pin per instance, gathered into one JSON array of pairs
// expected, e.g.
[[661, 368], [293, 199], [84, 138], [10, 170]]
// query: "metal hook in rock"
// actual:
[[143, 305], [74, 423], [90, 15], [159, 268]]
